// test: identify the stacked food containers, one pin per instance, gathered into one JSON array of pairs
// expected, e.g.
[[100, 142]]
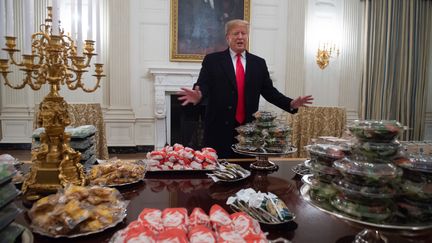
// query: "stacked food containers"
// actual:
[[415, 202], [8, 210], [369, 177], [264, 134], [320, 165]]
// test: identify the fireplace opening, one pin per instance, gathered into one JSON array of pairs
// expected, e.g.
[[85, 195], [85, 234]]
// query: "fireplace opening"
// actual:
[[187, 124]]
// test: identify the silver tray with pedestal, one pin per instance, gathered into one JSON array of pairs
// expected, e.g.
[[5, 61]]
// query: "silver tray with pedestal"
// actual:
[[262, 158], [372, 232]]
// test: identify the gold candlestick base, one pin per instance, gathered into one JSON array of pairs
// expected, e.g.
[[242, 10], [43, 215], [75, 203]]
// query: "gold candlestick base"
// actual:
[[55, 163]]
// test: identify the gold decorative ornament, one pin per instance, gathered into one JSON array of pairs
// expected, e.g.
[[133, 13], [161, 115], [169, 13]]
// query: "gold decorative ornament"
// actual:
[[324, 54], [54, 60]]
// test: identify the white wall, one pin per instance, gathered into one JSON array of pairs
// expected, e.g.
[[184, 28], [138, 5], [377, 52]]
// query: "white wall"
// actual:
[[138, 39]]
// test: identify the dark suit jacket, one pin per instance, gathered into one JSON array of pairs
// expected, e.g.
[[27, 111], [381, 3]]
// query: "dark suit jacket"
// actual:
[[218, 85]]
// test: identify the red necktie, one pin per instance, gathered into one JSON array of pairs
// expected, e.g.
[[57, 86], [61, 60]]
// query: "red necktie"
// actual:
[[240, 77]]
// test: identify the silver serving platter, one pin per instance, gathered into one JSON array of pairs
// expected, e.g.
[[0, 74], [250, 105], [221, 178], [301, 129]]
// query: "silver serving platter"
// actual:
[[183, 170], [149, 168], [291, 150], [122, 215], [121, 184], [125, 183], [248, 173], [262, 162], [400, 229]]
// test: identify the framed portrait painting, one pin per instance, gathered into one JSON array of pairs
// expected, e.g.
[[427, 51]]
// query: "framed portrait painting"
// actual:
[[198, 26]]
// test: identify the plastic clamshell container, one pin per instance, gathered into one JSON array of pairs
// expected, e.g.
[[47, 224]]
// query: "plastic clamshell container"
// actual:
[[363, 172], [375, 130]]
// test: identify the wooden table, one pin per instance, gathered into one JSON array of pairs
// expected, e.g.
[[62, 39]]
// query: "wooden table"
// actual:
[[194, 189]]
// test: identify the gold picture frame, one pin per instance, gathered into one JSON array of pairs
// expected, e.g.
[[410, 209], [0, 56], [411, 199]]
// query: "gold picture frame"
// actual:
[[198, 26]]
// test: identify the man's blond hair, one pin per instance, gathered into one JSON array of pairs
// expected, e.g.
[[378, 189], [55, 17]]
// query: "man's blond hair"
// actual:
[[235, 22]]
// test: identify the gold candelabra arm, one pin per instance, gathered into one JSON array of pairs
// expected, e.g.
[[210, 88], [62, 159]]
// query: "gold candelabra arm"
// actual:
[[10, 49], [89, 48], [28, 67], [77, 63], [4, 70], [75, 83]]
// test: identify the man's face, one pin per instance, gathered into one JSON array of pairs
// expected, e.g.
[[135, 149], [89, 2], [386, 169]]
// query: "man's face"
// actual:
[[237, 38]]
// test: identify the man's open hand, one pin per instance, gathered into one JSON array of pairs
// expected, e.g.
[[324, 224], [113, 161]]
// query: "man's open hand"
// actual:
[[192, 96], [301, 101]]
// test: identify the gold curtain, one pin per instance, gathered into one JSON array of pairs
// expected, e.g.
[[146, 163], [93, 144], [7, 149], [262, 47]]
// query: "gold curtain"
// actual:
[[396, 45], [87, 114], [312, 122]]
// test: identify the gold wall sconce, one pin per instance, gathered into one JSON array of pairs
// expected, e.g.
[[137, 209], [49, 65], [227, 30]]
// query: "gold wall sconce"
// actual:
[[324, 54]]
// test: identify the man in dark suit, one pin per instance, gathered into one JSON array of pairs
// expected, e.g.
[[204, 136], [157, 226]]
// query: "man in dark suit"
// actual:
[[230, 84]]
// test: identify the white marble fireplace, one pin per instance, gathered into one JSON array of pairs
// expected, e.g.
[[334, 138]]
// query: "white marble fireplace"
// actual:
[[168, 81]]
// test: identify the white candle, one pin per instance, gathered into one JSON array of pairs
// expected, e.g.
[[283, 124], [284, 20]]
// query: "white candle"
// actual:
[[90, 20], [2, 28], [9, 18], [79, 26], [28, 25], [55, 17], [73, 20], [98, 31]]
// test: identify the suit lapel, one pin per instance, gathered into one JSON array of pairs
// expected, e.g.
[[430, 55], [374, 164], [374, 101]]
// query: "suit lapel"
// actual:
[[228, 68]]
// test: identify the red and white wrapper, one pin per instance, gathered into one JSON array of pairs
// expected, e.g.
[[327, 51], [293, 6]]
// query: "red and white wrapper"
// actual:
[[199, 217], [178, 157], [168, 163], [184, 161], [155, 168], [177, 147], [201, 234], [178, 166], [175, 218], [153, 162], [212, 155], [166, 167], [219, 217], [260, 238], [199, 156], [196, 165], [209, 166], [140, 236], [156, 155], [134, 232], [167, 149], [209, 150], [187, 153], [210, 159], [172, 236], [172, 156], [152, 219], [227, 235], [244, 224]]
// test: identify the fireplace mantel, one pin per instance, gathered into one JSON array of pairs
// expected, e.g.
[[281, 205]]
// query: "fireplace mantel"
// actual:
[[168, 81]]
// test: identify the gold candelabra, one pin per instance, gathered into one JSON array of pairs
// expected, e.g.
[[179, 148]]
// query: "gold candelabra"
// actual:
[[324, 54], [54, 60]]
